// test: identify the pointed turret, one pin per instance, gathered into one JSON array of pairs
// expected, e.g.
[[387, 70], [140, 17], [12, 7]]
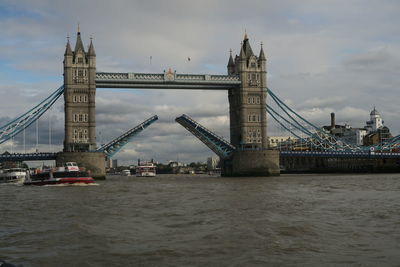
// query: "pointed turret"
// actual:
[[231, 64], [91, 51], [246, 46], [261, 57], [79, 43], [68, 50], [242, 54]]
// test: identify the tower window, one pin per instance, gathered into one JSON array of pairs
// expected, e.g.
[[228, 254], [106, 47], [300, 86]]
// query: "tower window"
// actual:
[[80, 73], [80, 60]]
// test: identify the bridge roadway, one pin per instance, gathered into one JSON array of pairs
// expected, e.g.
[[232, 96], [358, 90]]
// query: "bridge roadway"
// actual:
[[340, 154], [287, 154], [166, 80]]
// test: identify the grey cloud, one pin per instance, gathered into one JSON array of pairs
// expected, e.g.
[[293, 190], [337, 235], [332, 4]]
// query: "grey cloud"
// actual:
[[322, 56]]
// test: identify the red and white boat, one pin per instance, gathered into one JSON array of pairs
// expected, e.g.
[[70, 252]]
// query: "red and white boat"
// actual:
[[70, 174], [145, 169]]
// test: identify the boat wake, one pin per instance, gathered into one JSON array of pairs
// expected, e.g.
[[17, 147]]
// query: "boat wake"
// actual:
[[19, 183], [74, 184]]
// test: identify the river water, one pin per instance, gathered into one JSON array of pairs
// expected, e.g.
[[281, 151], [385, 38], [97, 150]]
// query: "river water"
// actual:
[[291, 220]]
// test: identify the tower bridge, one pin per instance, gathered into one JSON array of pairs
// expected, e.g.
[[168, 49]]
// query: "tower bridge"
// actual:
[[246, 154], [245, 83]]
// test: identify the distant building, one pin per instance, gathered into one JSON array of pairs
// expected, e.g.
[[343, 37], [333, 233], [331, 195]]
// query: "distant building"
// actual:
[[212, 163], [382, 135], [374, 132], [111, 163], [280, 141], [377, 132], [353, 135], [174, 164], [375, 121]]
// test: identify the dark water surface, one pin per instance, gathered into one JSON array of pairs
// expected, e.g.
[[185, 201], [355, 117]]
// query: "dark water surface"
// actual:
[[292, 220]]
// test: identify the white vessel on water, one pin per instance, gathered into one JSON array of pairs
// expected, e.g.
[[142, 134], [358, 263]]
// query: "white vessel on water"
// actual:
[[13, 175], [126, 172], [145, 169]]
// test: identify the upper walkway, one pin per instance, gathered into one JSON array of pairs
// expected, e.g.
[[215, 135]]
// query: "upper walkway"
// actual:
[[166, 80]]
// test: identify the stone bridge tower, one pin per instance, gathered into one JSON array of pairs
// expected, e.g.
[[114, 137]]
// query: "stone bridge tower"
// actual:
[[79, 97], [248, 118]]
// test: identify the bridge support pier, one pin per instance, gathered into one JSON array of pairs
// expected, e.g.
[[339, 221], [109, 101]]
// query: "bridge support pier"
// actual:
[[252, 163], [92, 161]]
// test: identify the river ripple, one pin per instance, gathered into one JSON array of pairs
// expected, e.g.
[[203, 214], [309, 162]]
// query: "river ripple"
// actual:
[[291, 220]]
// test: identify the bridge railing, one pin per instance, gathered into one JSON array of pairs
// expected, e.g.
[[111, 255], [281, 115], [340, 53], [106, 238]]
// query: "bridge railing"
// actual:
[[111, 148], [216, 143]]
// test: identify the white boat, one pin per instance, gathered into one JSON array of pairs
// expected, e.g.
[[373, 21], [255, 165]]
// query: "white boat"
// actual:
[[126, 173], [13, 175], [145, 169]]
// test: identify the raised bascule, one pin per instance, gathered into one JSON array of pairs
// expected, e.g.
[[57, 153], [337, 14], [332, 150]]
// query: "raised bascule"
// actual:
[[246, 154], [247, 92]]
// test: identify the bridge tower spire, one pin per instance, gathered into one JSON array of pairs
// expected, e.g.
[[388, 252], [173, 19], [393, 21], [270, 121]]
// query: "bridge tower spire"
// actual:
[[79, 97]]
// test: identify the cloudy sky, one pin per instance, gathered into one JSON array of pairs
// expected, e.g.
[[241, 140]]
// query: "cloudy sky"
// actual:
[[339, 56]]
